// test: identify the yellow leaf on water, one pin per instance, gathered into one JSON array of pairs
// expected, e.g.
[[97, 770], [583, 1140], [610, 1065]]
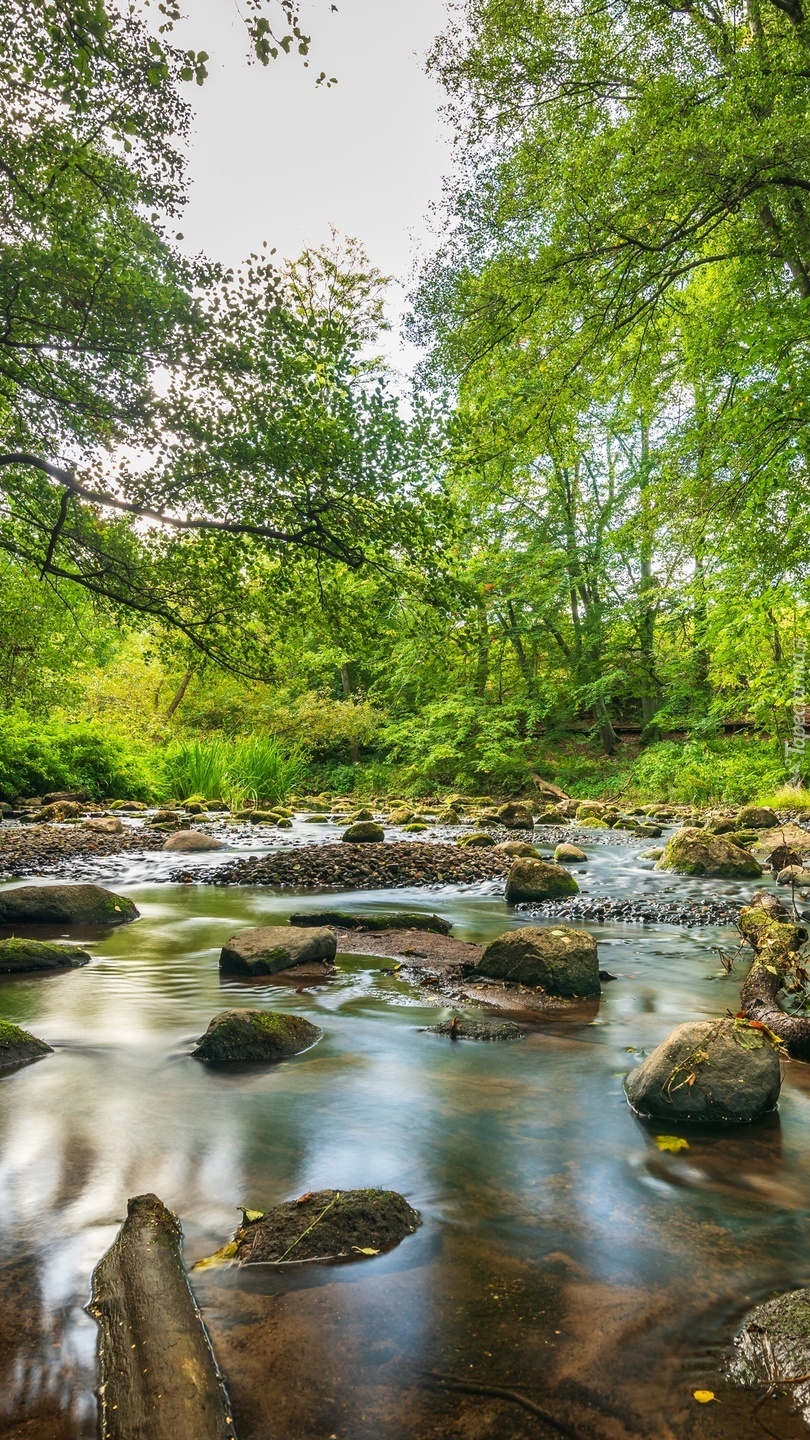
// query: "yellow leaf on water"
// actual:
[[220, 1257], [365, 1250], [671, 1142], [704, 1396]]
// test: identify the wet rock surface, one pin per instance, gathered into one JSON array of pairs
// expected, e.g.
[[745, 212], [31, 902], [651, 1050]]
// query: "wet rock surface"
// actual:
[[365, 867], [64, 905], [236, 1036], [695, 852], [189, 841], [266, 949], [394, 920], [715, 1071], [327, 1225], [538, 880], [17, 956], [465, 1028], [773, 1348]]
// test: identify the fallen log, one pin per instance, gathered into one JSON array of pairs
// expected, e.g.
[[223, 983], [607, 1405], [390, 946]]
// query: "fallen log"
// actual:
[[159, 1378], [776, 941]]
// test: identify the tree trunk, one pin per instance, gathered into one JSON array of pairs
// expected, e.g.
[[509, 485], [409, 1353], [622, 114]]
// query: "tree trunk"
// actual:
[[159, 1378], [345, 680], [650, 690], [178, 695], [776, 940]]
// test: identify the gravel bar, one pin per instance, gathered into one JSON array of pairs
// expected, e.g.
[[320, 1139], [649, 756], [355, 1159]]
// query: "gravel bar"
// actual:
[[49, 849], [355, 867], [638, 911]]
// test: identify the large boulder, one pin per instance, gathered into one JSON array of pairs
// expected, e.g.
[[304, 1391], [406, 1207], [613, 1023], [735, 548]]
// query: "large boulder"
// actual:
[[591, 810], [695, 852], [190, 842], [516, 816], [254, 1035], [58, 796], [364, 832], [18, 956], [538, 880], [721, 1071], [266, 949], [773, 1348], [757, 817], [17, 1046], [64, 905], [562, 961]]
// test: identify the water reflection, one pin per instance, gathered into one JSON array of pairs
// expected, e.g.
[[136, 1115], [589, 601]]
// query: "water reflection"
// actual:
[[562, 1254]]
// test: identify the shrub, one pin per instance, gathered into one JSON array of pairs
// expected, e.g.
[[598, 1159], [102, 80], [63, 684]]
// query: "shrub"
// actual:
[[198, 767], [56, 755]]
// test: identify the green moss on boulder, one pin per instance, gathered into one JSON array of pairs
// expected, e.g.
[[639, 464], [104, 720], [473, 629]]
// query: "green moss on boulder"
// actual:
[[560, 960], [254, 1035], [17, 1046], [364, 832], [718, 1071], [18, 955], [538, 880], [696, 852], [476, 840], [64, 905]]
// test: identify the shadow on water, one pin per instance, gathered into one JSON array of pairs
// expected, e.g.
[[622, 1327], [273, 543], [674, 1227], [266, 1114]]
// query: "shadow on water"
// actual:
[[562, 1255]]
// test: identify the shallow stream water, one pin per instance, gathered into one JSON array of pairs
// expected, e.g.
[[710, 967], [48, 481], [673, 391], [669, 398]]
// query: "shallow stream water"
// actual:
[[562, 1255]]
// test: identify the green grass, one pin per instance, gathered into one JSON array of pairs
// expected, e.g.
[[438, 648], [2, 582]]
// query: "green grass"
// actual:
[[259, 769]]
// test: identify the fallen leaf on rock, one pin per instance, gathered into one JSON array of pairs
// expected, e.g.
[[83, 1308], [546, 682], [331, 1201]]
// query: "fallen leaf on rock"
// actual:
[[671, 1142]]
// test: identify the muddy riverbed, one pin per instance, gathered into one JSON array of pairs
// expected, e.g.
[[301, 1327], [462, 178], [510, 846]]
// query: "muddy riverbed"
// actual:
[[563, 1257]]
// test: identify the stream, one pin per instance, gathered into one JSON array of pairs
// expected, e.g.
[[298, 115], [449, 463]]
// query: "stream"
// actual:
[[562, 1255]]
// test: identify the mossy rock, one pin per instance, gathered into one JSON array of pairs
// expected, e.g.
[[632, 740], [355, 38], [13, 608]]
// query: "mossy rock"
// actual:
[[266, 949], [475, 841], [464, 1028], [647, 831], [744, 838], [64, 905], [538, 880], [415, 827], [696, 852], [590, 810], [559, 960], [360, 815], [402, 816], [708, 1071], [328, 1225], [261, 817], [364, 832], [515, 816], [17, 1046], [448, 817], [236, 1036], [593, 822], [757, 817], [654, 854], [519, 849], [569, 855], [551, 816], [18, 956], [774, 1342]]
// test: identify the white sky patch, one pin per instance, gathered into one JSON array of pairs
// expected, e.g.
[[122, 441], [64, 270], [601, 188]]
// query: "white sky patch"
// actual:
[[274, 158]]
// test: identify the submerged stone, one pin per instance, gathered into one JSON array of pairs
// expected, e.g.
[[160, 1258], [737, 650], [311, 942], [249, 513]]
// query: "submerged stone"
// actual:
[[560, 960], [466, 1029], [721, 1071], [538, 880], [266, 949], [255, 1035], [327, 1225], [17, 1046], [64, 905], [18, 956], [393, 920], [192, 841]]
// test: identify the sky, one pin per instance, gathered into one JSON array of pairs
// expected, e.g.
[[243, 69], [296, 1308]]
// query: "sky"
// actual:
[[274, 158]]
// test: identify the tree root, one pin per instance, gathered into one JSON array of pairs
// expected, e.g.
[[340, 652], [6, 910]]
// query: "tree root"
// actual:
[[776, 940], [462, 1385]]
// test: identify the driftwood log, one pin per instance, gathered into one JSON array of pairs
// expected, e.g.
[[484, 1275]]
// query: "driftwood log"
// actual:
[[159, 1379], [776, 940]]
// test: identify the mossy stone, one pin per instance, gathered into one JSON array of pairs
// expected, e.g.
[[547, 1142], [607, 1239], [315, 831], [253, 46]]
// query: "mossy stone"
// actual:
[[695, 852], [18, 955], [255, 1035], [560, 960], [17, 1045], [364, 832], [538, 880]]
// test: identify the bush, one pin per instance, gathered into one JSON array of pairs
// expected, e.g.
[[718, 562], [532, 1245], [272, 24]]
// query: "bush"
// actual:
[[734, 769], [57, 755]]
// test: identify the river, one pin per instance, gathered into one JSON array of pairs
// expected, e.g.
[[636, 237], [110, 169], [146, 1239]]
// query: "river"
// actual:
[[562, 1254]]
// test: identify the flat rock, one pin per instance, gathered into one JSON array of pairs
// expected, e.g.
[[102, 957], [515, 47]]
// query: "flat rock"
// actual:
[[695, 852], [17, 1046], [266, 949], [18, 956], [463, 1028], [64, 905], [560, 960], [393, 920], [327, 1225], [105, 825], [538, 880], [192, 841], [714, 1071], [255, 1035]]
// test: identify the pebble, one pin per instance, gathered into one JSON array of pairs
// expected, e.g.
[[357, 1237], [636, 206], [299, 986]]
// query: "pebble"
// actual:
[[355, 867]]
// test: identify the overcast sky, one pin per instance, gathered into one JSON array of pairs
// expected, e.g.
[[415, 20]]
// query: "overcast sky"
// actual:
[[275, 158]]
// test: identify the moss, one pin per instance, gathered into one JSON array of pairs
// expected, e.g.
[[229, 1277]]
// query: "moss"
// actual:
[[17, 1045], [255, 1035], [18, 954], [330, 1224]]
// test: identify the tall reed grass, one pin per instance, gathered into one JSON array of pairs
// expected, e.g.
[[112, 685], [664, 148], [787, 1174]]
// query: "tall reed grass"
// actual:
[[259, 769]]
